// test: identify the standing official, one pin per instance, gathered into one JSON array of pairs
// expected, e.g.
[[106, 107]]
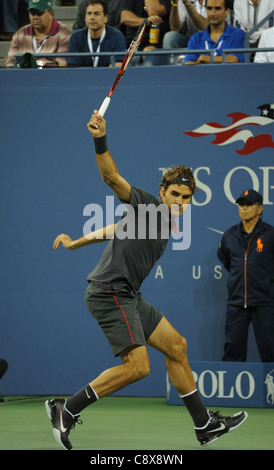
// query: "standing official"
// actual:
[[247, 252]]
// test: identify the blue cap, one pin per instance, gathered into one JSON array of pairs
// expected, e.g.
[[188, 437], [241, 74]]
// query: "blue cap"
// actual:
[[250, 195]]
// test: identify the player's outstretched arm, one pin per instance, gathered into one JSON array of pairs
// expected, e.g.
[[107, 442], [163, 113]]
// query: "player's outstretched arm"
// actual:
[[105, 162], [105, 233]]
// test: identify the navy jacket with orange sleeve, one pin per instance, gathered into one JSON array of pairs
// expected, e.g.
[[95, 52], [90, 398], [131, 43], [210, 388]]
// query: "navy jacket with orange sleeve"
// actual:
[[251, 266]]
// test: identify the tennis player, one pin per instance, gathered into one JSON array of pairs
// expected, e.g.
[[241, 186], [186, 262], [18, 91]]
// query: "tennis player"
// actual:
[[127, 320]]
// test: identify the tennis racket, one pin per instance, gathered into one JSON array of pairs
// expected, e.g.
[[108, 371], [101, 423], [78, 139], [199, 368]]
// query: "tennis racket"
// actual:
[[129, 55]]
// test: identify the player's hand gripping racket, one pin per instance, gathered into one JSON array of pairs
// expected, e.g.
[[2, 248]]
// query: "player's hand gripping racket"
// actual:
[[129, 55]]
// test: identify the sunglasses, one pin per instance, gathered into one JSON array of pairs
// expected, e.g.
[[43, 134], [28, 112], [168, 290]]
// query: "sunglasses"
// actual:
[[35, 12], [247, 203]]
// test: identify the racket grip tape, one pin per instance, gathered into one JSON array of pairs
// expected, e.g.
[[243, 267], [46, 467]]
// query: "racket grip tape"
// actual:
[[104, 106]]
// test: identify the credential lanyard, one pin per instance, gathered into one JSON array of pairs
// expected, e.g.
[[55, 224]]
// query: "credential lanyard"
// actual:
[[219, 45], [34, 42], [95, 59]]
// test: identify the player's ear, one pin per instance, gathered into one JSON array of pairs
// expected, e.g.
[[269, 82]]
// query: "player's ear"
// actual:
[[162, 191]]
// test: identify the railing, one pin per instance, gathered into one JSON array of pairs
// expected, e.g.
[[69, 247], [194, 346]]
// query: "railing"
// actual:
[[269, 18], [249, 51], [171, 53]]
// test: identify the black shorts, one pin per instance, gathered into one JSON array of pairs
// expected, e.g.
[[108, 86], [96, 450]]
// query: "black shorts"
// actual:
[[124, 317]]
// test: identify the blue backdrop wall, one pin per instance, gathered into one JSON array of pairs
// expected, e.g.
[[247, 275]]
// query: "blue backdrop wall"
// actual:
[[49, 178]]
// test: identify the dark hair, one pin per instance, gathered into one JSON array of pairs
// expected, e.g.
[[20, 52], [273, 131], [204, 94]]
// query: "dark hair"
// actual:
[[175, 172], [101, 2], [226, 2]]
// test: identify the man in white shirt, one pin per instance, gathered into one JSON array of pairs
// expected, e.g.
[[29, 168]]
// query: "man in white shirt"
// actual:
[[267, 40], [248, 13], [186, 18]]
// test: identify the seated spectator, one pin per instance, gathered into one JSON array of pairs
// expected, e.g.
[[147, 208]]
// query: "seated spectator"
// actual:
[[44, 34], [218, 35], [186, 18], [114, 14], [12, 17], [248, 13], [96, 37], [266, 40], [133, 14]]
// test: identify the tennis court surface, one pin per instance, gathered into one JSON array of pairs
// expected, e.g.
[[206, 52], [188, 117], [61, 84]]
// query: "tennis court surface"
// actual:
[[129, 424]]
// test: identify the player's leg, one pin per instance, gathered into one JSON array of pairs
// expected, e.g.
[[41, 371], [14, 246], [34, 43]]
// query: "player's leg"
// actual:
[[135, 367], [208, 425], [167, 340], [117, 316], [161, 335], [65, 413]]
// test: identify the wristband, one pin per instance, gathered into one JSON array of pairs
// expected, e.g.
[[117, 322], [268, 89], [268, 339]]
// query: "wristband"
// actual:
[[174, 4], [100, 144]]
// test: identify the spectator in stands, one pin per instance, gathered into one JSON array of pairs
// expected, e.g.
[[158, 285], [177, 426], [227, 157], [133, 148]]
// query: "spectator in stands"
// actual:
[[248, 13], [218, 35], [44, 34], [186, 18], [114, 14], [266, 40], [96, 37], [135, 11], [12, 17]]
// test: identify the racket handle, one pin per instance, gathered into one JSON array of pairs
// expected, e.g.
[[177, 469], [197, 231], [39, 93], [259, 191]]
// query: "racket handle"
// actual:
[[104, 106]]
